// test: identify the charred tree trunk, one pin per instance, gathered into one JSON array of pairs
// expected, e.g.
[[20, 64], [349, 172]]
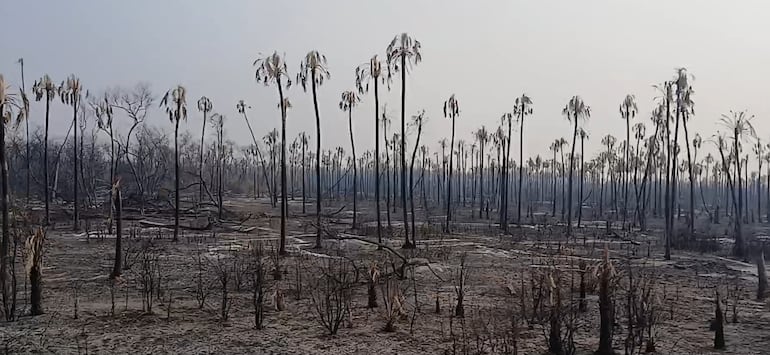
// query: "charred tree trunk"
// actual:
[[117, 202]]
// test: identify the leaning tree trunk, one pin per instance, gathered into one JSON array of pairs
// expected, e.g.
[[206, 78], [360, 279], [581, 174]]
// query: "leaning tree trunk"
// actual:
[[355, 169], [200, 158]]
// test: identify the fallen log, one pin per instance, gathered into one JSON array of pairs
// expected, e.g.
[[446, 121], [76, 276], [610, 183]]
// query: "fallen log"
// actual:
[[146, 223], [405, 261]]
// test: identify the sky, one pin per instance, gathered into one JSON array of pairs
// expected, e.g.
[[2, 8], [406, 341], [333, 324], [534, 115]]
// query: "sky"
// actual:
[[485, 52]]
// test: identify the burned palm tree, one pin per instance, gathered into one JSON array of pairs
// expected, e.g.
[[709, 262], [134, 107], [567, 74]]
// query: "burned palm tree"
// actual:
[[639, 130], [10, 109], [451, 111], [628, 111], [303, 145], [554, 147], [205, 106], [583, 137], [25, 106], [687, 108], [272, 70], [740, 127], [45, 88], [314, 69], [175, 104], [482, 135], [759, 150], [348, 101], [417, 121], [521, 109], [365, 73], [385, 124], [505, 141], [574, 111], [218, 123], [403, 52], [70, 92]]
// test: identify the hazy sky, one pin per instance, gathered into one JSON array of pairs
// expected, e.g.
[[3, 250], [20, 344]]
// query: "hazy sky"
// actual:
[[485, 52]]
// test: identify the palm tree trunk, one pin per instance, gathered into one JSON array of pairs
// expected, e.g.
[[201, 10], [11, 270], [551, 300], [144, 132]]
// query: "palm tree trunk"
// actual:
[[75, 216], [47, 186], [407, 243], [220, 164], [481, 177], [304, 197], [176, 177], [626, 170], [284, 201], [317, 161], [5, 243], [759, 191], [691, 222], [411, 182], [26, 131], [449, 180], [355, 169], [521, 160], [377, 163], [113, 168], [505, 177], [387, 176], [571, 168], [563, 191], [582, 175], [667, 210], [116, 267], [553, 194], [200, 160]]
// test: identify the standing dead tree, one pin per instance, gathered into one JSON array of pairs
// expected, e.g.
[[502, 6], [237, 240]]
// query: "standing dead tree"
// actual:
[[719, 324], [149, 272], [331, 294], [459, 286], [258, 284], [224, 267], [118, 203], [34, 265], [761, 275], [606, 275], [373, 277], [134, 103], [392, 303]]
